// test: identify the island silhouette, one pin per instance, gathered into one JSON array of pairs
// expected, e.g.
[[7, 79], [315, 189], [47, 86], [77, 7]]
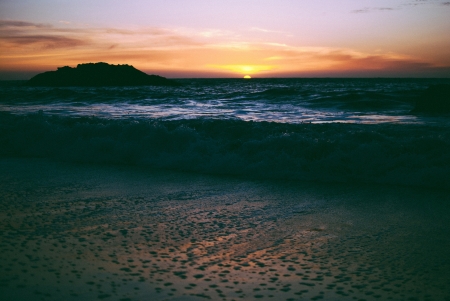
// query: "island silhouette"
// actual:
[[98, 74]]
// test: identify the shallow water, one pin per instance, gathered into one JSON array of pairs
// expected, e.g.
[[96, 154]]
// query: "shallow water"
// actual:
[[325, 130], [86, 232], [396, 154]]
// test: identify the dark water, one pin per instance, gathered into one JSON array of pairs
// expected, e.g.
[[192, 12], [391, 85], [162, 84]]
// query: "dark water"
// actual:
[[326, 130], [92, 206], [365, 101]]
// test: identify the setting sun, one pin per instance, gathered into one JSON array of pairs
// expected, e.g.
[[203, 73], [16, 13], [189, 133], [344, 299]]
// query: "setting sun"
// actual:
[[401, 38], [240, 149]]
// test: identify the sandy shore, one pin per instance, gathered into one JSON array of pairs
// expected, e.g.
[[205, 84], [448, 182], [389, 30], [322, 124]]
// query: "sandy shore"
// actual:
[[71, 232]]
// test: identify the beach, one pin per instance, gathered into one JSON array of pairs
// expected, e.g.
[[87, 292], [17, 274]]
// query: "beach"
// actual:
[[224, 150], [89, 232]]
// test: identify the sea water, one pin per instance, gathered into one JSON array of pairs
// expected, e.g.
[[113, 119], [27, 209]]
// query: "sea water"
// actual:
[[118, 193], [326, 130], [362, 101]]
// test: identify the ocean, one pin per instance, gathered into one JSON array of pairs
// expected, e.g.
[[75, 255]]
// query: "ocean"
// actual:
[[224, 189], [326, 130]]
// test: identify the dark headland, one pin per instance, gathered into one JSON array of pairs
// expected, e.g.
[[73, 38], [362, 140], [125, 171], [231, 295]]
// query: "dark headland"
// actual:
[[98, 74]]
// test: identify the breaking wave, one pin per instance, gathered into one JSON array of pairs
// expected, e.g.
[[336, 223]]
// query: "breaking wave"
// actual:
[[397, 154]]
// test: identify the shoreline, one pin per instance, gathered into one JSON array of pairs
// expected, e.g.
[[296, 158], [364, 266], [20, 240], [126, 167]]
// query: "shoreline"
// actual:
[[117, 233]]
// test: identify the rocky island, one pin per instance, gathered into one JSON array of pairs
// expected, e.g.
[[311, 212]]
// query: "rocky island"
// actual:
[[99, 74]]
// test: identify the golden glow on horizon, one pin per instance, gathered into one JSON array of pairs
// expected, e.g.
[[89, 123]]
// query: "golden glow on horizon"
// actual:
[[183, 52], [208, 60], [247, 77], [245, 69]]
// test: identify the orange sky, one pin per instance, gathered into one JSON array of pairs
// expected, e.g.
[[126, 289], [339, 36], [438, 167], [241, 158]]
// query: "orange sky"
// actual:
[[283, 38]]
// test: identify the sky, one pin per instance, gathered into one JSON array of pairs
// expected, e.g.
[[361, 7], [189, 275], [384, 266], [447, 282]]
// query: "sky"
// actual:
[[212, 38]]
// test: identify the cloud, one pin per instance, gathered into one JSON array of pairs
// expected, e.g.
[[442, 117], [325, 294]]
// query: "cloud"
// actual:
[[182, 50], [328, 59], [210, 33], [402, 5], [372, 9], [12, 23], [383, 62], [43, 41], [266, 30], [426, 2], [141, 31], [16, 35]]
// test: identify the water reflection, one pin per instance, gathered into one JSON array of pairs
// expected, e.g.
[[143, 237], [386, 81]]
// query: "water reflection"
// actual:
[[215, 109]]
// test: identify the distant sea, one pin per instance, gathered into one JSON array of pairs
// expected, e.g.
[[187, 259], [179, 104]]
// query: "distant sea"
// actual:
[[323, 130]]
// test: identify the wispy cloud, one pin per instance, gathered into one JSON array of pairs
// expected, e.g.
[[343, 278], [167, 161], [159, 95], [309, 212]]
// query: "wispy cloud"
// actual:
[[402, 5], [18, 35], [15, 35], [181, 50], [265, 30], [309, 59], [42, 41], [423, 2], [14, 24], [213, 33], [426, 2], [372, 9]]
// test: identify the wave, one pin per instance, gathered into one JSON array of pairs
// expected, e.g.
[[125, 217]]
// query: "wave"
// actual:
[[414, 155], [325, 92], [278, 92]]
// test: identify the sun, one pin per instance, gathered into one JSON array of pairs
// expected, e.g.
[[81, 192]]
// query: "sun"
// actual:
[[247, 77]]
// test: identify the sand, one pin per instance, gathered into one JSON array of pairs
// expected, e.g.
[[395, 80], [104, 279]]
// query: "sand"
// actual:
[[84, 232]]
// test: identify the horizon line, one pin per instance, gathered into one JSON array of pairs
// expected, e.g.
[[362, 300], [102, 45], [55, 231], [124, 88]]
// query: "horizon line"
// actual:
[[311, 77]]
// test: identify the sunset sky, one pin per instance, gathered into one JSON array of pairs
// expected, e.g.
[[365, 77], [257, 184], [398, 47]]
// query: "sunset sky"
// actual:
[[212, 38]]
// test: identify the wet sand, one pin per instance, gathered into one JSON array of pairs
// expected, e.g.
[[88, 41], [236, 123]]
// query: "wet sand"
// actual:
[[80, 232]]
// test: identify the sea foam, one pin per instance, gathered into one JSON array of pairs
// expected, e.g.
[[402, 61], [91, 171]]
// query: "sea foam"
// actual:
[[397, 154]]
